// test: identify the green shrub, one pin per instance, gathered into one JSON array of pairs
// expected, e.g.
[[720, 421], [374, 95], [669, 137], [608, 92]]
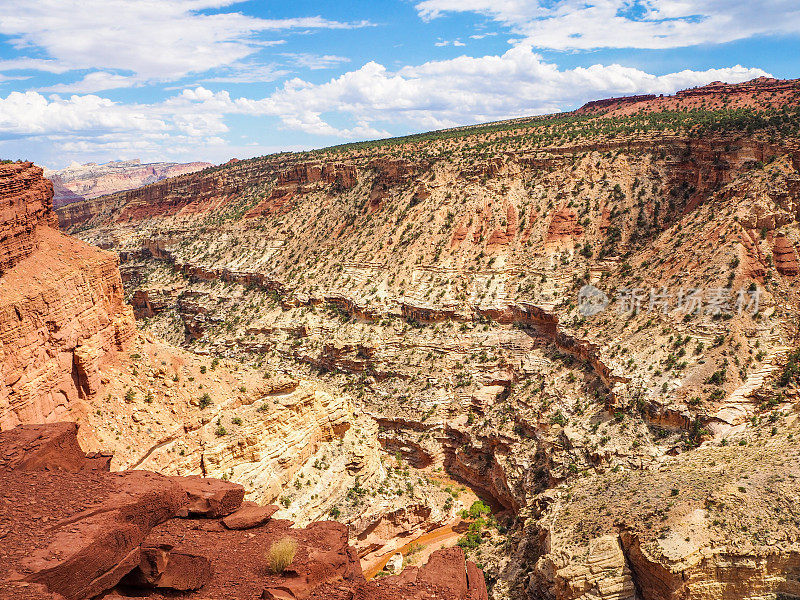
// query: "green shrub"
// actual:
[[791, 372]]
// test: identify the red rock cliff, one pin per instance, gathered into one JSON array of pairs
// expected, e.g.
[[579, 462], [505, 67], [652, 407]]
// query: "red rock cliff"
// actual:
[[61, 306], [24, 204]]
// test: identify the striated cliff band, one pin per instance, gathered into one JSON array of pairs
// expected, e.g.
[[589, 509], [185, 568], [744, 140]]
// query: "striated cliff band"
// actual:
[[81, 182]]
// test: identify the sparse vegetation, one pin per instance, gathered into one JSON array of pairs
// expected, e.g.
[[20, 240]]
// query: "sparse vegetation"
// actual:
[[280, 555]]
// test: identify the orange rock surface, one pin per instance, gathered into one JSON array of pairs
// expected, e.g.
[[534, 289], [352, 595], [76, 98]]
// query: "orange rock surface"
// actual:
[[61, 305], [25, 203]]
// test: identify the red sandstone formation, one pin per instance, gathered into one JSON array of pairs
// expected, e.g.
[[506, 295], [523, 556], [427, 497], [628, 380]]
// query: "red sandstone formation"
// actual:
[[299, 179], [142, 534], [61, 306], [605, 103], [459, 235], [389, 174], [564, 227], [785, 256], [739, 95], [25, 203]]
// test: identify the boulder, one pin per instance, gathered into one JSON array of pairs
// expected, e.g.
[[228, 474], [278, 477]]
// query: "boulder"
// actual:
[[210, 498], [165, 566], [445, 570], [93, 550], [249, 515], [51, 447]]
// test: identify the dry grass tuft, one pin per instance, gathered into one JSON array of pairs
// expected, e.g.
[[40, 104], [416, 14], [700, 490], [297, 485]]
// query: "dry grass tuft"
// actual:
[[281, 554]]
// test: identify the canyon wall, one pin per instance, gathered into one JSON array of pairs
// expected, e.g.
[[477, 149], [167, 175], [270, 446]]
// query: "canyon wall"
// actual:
[[25, 203], [61, 306], [209, 189]]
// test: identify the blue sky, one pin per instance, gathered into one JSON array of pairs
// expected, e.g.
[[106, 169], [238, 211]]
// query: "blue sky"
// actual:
[[164, 80]]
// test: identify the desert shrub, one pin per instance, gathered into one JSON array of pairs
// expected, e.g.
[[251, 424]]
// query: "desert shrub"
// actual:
[[281, 554], [791, 372]]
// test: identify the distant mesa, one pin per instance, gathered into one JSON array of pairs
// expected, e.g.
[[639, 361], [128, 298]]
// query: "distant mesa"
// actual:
[[86, 181], [717, 93]]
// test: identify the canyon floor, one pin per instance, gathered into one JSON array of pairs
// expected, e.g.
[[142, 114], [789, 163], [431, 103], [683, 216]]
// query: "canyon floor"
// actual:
[[566, 345]]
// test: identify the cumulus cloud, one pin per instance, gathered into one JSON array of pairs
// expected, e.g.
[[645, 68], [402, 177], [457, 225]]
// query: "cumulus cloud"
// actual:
[[371, 100], [31, 113], [652, 24], [468, 89], [153, 39]]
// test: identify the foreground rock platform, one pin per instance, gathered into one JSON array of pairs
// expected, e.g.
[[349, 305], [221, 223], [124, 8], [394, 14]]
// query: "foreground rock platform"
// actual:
[[72, 530]]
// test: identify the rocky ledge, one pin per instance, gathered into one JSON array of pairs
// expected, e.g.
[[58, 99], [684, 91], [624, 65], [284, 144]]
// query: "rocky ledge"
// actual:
[[91, 533]]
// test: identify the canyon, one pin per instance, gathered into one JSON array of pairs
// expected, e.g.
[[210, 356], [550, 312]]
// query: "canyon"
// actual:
[[394, 335]]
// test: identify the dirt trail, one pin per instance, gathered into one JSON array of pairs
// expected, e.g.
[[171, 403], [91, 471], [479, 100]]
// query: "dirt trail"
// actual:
[[441, 537]]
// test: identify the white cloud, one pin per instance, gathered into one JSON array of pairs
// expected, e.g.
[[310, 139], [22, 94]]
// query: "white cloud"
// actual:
[[450, 43], [315, 62], [467, 90], [93, 82], [32, 64], [156, 40], [432, 95], [653, 24], [31, 113]]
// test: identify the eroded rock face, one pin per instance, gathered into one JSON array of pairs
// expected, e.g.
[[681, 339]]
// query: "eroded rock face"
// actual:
[[25, 203], [61, 307], [720, 532], [564, 228]]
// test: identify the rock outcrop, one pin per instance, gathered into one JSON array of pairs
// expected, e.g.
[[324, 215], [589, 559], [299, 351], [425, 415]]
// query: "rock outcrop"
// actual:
[[61, 307], [25, 204], [142, 531]]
